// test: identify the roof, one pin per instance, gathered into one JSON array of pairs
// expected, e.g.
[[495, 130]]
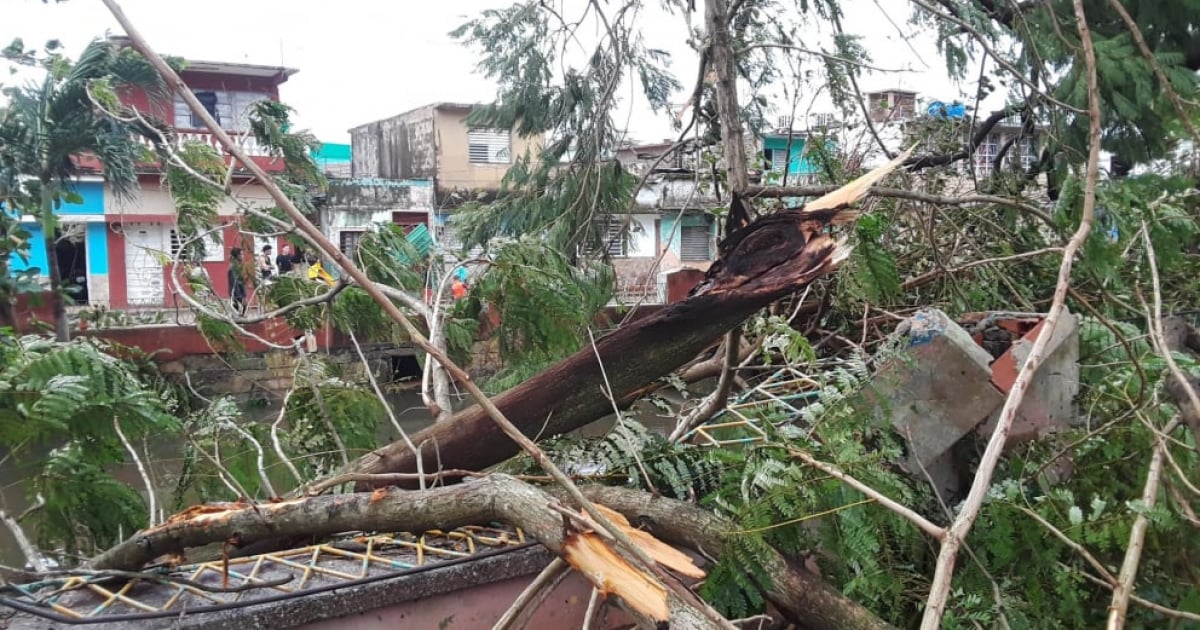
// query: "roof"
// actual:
[[439, 105], [892, 90], [240, 69], [221, 67]]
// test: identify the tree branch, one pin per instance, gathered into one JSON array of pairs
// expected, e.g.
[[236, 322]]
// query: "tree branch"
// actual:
[[899, 193], [939, 590]]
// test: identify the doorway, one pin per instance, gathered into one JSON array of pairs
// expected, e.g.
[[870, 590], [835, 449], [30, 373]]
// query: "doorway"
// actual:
[[70, 249]]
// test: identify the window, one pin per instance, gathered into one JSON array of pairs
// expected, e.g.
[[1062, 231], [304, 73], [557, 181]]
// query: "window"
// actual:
[[778, 159], [488, 146], [230, 109], [985, 154], [1028, 158], [214, 245], [616, 239], [348, 241], [694, 243]]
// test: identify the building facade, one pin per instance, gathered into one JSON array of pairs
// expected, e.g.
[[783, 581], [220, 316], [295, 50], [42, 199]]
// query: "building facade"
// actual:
[[435, 143], [114, 251]]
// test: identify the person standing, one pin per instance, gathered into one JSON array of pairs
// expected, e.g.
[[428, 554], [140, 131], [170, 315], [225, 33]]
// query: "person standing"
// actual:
[[237, 280], [285, 261], [266, 266]]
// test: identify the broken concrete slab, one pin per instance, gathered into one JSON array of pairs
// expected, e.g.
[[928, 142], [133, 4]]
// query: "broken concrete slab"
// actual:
[[1049, 403], [938, 388]]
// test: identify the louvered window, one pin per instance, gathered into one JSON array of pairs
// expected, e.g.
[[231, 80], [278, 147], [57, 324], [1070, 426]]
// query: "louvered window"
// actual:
[[694, 243], [348, 241], [488, 146], [615, 239], [214, 245], [778, 160]]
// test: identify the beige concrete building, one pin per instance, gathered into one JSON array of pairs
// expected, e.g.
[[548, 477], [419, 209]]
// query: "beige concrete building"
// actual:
[[435, 143]]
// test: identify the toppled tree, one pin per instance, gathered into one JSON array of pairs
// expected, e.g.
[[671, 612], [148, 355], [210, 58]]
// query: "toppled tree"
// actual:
[[822, 483]]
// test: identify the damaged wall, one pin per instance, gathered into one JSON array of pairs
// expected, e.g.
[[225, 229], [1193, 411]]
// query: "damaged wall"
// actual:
[[400, 147], [357, 204]]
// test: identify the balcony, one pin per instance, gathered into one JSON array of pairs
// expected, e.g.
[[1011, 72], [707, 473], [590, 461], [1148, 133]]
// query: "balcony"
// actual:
[[246, 141]]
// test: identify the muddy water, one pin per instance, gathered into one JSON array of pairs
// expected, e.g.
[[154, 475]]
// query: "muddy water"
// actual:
[[165, 460]]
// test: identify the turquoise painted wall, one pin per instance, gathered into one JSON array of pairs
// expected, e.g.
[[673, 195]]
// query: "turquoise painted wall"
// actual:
[[93, 199], [37, 252], [330, 154], [96, 236], [97, 249], [797, 162], [669, 235]]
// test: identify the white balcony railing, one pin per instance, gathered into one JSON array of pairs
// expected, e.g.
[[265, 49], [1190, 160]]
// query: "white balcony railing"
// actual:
[[246, 141]]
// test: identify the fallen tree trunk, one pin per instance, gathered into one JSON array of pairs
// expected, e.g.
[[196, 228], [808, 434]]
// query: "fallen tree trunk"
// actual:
[[759, 262], [492, 498], [802, 597]]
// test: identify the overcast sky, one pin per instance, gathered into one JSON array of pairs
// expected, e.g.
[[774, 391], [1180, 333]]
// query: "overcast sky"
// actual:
[[362, 60]]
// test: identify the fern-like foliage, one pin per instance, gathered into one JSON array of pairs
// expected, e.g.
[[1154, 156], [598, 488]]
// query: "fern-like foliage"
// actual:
[[85, 508], [545, 303], [58, 407], [50, 390]]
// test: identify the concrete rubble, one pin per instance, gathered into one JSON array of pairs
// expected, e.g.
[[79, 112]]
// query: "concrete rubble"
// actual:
[[945, 382]]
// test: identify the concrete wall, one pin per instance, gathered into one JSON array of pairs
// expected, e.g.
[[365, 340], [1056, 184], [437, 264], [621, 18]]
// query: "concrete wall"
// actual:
[[360, 203], [400, 147], [454, 170], [154, 200]]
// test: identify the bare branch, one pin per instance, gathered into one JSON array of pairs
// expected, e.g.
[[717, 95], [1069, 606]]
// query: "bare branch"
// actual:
[[151, 500], [939, 590], [916, 519]]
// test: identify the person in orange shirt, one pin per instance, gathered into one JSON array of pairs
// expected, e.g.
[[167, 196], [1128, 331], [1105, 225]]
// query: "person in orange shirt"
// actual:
[[458, 289]]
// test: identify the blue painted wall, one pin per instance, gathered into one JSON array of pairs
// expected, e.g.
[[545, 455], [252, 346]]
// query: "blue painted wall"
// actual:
[[797, 162], [37, 252], [93, 199], [96, 240], [97, 249]]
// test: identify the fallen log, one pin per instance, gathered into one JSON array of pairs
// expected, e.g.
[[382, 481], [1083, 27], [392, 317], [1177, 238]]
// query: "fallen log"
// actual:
[[802, 597], [492, 498], [758, 263]]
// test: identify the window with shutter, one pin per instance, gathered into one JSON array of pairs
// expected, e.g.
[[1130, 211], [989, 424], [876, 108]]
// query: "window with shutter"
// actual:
[[615, 240], [214, 245], [348, 241], [488, 146], [778, 160], [694, 243]]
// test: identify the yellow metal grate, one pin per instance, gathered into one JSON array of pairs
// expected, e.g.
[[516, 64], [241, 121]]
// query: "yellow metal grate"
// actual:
[[198, 587]]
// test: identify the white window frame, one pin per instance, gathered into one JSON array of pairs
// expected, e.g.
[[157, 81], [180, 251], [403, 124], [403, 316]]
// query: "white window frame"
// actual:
[[233, 109], [489, 146]]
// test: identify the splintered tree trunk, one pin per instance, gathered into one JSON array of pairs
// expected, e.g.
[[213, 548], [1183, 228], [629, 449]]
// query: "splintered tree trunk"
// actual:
[[802, 597], [759, 262]]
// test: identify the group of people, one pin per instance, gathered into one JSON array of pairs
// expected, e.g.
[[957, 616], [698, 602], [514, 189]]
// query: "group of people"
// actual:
[[268, 267]]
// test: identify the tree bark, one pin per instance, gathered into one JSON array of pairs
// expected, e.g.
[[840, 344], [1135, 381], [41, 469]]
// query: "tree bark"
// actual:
[[770, 259], [493, 498], [720, 49], [803, 598], [62, 331]]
